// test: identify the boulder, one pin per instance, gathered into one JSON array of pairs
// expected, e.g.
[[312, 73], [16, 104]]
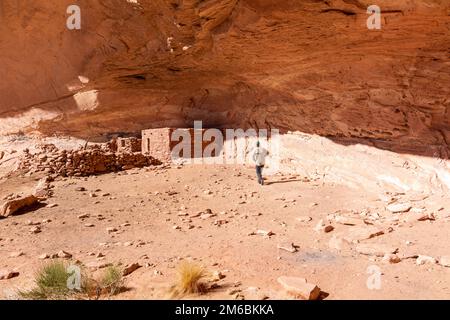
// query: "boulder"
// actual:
[[300, 288], [13, 206]]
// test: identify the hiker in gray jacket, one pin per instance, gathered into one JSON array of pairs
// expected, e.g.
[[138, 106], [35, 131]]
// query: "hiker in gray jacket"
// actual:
[[259, 157]]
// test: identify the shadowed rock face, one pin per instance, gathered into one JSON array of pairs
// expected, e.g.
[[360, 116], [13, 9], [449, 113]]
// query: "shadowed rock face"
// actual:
[[311, 66]]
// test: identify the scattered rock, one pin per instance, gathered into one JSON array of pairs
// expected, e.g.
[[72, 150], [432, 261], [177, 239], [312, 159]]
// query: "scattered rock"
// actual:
[[8, 274], [399, 207], [322, 227], [217, 275], [131, 268], [64, 255], [374, 249], [287, 246], [299, 287], [36, 230], [265, 233], [421, 260], [357, 234], [16, 254], [304, 219], [444, 261], [349, 221], [391, 258]]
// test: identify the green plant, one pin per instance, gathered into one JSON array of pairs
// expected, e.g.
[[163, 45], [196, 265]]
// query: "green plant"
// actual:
[[112, 280], [51, 283]]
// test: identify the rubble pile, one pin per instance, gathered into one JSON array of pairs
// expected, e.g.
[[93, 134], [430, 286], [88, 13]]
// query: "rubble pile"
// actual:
[[86, 161]]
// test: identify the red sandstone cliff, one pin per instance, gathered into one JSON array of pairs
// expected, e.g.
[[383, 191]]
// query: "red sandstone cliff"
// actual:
[[311, 66]]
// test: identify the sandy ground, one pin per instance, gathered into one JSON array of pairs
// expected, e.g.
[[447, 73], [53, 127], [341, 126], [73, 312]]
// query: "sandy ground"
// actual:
[[145, 205]]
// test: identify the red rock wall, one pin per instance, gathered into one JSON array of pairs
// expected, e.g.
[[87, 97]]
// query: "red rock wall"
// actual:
[[311, 66]]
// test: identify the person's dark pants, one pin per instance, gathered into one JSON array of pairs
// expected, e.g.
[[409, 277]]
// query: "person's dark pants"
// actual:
[[259, 174]]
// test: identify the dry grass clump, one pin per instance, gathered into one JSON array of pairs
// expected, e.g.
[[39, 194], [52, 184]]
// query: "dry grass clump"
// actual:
[[190, 280]]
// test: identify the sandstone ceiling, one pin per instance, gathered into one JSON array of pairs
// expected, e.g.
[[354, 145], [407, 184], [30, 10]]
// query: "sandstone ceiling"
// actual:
[[311, 66]]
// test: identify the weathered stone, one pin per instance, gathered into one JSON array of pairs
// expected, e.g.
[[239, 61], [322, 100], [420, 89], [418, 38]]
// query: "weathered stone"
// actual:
[[16, 254], [322, 227], [8, 274], [374, 249], [287, 246], [63, 254], [131, 268], [357, 234], [444, 261], [391, 258], [304, 219], [350, 221], [36, 230], [399, 207], [299, 287], [265, 233], [425, 260], [13, 206]]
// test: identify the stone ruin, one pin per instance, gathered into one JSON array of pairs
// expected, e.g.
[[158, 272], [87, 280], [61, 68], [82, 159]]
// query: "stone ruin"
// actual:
[[90, 160]]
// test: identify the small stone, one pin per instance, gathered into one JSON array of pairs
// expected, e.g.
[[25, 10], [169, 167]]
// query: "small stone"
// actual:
[[391, 258], [217, 275], [16, 254], [287, 246], [444, 261], [89, 225], [8, 274], [83, 216], [265, 233], [63, 254], [131, 268], [111, 229], [299, 287], [375, 249], [349, 221], [44, 256], [399, 207], [304, 219], [80, 189], [35, 230], [421, 260], [322, 227]]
